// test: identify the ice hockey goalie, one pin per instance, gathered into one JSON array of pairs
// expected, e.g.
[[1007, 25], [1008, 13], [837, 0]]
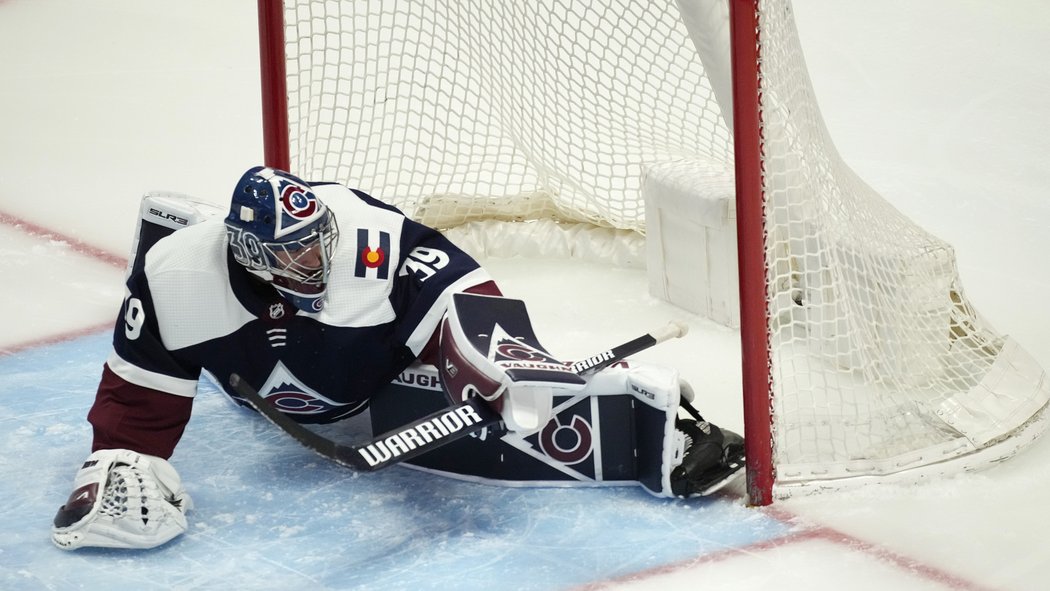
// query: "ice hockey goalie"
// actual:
[[326, 302]]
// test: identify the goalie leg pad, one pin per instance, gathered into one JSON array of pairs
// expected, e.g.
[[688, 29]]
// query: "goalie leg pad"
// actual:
[[656, 390], [679, 457], [122, 499], [623, 427]]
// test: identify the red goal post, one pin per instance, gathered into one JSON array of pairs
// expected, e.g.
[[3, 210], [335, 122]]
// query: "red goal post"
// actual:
[[862, 359], [754, 344], [274, 85]]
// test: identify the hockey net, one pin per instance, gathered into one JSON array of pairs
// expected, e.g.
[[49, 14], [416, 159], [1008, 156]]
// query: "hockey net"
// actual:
[[553, 113]]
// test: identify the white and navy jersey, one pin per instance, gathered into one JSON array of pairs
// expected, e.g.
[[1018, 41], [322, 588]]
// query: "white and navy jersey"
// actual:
[[190, 308]]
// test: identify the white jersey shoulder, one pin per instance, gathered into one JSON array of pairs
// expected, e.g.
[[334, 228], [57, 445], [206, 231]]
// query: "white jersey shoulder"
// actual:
[[190, 287], [358, 294]]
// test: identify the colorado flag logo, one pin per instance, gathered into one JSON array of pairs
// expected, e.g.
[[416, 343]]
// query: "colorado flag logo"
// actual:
[[373, 254]]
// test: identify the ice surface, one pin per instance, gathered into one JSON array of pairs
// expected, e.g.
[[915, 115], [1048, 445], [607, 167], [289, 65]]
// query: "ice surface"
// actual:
[[272, 515]]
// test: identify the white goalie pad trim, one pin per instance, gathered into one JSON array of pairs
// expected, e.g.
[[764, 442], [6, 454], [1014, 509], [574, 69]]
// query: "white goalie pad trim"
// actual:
[[170, 210], [655, 385], [176, 210], [527, 409]]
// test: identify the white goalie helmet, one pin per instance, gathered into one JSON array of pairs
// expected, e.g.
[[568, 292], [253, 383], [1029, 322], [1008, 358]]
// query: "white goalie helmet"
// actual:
[[279, 230]]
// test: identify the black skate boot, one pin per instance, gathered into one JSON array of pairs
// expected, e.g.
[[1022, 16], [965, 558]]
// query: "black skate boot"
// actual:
[[713, 458]]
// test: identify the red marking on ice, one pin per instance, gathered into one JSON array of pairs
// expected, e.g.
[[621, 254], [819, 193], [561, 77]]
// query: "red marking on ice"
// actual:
[[57, 338], [78, 247], [826, 534]]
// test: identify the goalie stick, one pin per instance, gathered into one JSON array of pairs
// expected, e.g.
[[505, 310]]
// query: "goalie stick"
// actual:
[[604, 359], [436, 429]]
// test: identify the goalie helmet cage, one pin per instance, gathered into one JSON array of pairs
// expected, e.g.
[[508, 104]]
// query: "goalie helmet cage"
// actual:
[[863, 360]]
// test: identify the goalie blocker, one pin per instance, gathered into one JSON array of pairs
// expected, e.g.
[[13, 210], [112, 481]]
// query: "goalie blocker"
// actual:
[[619, 426]]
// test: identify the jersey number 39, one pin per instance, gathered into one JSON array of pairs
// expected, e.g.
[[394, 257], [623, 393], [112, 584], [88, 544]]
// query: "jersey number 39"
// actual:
[[134, 318], [423, 263]]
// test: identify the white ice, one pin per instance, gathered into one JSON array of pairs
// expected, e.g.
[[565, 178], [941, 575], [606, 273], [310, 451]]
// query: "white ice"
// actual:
[[940, 105]]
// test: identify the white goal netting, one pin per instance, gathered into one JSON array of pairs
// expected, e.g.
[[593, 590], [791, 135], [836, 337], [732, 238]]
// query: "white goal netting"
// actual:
[[555, 109]]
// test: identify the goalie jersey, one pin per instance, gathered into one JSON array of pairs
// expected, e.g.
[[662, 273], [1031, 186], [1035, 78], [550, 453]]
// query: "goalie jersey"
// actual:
[[189, 307]]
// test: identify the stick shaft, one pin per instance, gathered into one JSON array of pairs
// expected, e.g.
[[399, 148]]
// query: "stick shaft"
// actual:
[[434, 430]]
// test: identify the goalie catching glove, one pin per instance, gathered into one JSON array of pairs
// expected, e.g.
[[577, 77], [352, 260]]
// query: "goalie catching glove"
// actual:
[[122, 499]]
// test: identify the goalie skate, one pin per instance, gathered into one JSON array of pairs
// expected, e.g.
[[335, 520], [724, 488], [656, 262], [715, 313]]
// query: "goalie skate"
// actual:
[[711, 459]]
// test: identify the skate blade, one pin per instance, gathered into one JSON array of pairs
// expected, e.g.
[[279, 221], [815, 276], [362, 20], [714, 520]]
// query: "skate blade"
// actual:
[[731, 472]]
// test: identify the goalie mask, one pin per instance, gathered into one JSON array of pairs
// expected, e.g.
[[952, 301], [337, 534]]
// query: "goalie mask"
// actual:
[[280, 231]]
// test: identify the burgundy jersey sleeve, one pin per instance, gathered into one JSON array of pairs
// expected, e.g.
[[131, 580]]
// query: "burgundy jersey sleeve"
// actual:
[[128, 416], [145, 395]]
